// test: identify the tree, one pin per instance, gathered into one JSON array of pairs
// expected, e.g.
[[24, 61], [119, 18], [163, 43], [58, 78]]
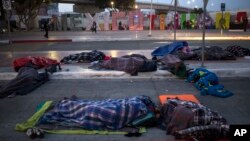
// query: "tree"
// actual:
[[122, 5], [125, 4], [197, 11], [102, 3], [27, 10]]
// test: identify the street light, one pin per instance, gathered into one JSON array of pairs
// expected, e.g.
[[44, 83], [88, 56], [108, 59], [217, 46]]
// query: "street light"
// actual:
[[136, 6], [112, 3], [149, 34], [137, 18]]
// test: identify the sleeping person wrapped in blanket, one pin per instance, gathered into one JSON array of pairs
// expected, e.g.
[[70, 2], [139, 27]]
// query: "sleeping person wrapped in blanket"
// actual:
[[98, 114]]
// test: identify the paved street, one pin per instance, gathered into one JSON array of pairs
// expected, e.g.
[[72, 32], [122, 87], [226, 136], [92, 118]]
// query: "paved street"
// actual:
[[86, 36], [110, 45], [14, 110], [116, 49]]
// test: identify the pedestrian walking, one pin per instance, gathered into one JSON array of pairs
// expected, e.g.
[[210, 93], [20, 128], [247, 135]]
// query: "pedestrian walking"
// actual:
[[93, 28], [46, 29]]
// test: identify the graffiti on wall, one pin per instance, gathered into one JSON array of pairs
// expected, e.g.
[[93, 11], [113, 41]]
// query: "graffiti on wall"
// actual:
[[102, 20], [208, 21], [119, 21], [135, 20], [222, 22], [162, 21], [152, 21]]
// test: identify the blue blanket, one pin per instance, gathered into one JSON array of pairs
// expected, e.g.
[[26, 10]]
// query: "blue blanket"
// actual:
[[208, 83], [98, 115], [169, 48]]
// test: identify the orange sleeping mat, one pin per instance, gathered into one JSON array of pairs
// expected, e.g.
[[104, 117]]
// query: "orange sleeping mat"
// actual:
[[187, 97]]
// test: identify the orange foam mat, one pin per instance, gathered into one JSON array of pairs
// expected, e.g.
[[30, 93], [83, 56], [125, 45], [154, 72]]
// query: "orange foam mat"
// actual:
[[187, 97]]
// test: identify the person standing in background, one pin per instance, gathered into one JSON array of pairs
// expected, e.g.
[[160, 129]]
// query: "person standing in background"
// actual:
[[46, 29], [93, 27], [245, 22]]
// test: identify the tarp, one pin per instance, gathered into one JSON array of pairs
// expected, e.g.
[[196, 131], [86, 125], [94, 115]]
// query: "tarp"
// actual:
[[169, 48]]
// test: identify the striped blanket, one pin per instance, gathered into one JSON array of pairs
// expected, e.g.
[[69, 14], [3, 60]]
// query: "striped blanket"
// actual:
[[98, 115]]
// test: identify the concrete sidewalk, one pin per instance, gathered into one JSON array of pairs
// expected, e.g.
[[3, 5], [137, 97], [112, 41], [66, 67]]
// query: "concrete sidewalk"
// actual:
[[76, 79], [229, 68], [240, 67]]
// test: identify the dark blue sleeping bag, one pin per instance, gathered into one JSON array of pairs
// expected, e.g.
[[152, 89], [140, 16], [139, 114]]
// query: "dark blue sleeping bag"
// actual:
[[168, 49]]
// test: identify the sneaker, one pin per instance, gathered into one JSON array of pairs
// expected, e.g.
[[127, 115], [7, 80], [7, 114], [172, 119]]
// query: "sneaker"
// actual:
[[35, 132], [39, 133], [30, 133]]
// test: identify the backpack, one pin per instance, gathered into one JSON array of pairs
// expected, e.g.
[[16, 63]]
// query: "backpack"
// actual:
[[174, 65]]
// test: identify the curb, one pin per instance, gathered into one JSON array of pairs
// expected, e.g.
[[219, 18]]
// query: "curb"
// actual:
[[239, 72], [194, 38], [4, 41], [92, 74], [34, 41], [159, 74], [41, 41]]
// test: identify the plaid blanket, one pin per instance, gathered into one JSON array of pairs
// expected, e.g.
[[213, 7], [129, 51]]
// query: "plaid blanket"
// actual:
[[97, 115], [186, 118], [92, 56]]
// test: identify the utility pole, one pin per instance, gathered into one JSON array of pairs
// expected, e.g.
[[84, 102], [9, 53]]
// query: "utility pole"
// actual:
[[150, 22], [203, 33], [222, 20], [175, 24], [7, 8]]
